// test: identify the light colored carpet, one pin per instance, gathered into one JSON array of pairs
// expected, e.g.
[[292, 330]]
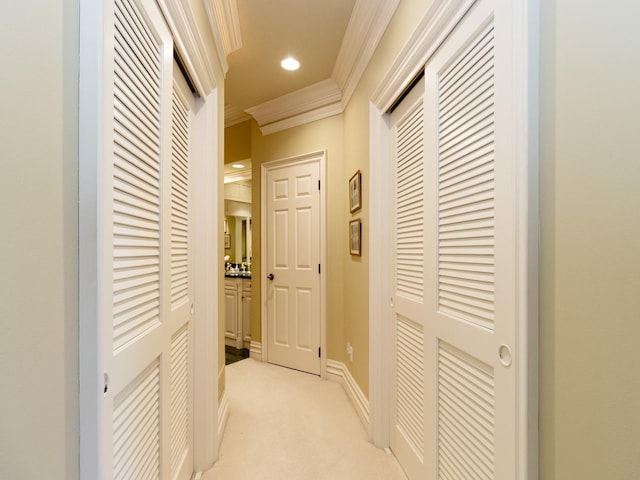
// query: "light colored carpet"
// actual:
[[284, 424]]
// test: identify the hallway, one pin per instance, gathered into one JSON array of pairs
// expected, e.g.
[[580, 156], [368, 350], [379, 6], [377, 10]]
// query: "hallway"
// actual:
[[287, 424]]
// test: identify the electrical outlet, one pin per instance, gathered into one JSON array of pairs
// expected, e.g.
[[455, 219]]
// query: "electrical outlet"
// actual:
[[350, 351]]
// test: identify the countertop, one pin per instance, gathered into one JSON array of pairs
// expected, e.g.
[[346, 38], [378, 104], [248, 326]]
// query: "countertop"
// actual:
[[237, 275]]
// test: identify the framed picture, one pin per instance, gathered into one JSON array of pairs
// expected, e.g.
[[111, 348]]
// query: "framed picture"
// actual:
[[355, 192], [355, 237], [227, 240]]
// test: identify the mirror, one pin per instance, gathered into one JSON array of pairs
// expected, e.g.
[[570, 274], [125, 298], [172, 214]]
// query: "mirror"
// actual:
[[237, 223], [238, 238], [237, 212]]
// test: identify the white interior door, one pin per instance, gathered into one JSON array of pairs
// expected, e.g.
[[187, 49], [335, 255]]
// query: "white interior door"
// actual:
[[460, 329], [147, 300], [409, 306], [180, 318], [471, 388], [293, 266]]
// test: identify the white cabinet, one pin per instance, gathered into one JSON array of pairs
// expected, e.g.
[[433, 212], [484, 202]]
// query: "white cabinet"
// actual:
[[246, 312], [237, 302], [231, 325]]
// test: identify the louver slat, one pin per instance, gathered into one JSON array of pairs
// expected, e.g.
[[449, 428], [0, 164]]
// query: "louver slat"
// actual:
[[136, 428], [136, 185], [466, 189], [180, 432], [409, 206], [179, 202], [466, 416], [410, 383]]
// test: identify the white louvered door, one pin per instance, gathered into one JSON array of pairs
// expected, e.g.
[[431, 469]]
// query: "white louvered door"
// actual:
[[472, 268], [147, 290], [454, 406], [407, 402], [180, 316]]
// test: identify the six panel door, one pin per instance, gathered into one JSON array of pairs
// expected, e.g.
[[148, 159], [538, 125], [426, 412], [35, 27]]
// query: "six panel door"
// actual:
[[293, 258]]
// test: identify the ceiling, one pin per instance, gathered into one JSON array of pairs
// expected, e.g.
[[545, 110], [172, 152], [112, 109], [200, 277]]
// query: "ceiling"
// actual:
[[309, 30], [332, 39]]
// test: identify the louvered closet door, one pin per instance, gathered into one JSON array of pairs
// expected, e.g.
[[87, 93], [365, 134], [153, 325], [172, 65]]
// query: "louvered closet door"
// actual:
[[470, 185], [178, 192], [147, 299], [407, 400]]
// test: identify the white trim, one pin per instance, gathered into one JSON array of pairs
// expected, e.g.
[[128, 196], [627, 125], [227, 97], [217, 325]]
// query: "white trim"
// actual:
[[306, 99], [238, 176], [227, 20], [527, 39], [339, 373], [223, 416], [207, 238], [303, 119], [255, 350], [321, 157], [380, 270], [90, 118], [367, 24], [233, 116], [438, 22], [194, 52]]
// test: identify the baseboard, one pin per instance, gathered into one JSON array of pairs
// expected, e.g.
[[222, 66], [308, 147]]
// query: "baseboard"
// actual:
[[338, 372], [197, 476], [255, 350], [223, 416]]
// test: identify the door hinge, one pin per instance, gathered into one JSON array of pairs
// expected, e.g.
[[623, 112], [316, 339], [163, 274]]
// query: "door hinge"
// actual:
[[318, 268], [319, 352], [318, 184]]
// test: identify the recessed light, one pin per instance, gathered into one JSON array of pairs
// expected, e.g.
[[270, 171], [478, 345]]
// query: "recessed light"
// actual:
[[290, 63], [237, 165]]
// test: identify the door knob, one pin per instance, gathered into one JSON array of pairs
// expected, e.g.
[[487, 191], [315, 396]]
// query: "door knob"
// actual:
[[270, 276]]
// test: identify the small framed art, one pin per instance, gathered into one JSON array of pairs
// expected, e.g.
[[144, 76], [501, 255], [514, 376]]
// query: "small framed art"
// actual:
[[355, 192], [355, 237], [227, 240]]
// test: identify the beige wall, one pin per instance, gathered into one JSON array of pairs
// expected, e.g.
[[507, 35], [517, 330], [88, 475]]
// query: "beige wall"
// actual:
[[38, 245], [237, 142], [590, 244]]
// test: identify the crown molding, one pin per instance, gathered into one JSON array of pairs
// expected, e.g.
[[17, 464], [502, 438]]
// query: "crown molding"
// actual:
[[366, 27], [238, 176], [199, 60], [233, 116], [302, 119], [217, 35], [224, 14], [301, 101]]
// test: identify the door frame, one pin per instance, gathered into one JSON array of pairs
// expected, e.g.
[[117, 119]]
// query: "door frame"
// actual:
[[437, 23], [320, 156]]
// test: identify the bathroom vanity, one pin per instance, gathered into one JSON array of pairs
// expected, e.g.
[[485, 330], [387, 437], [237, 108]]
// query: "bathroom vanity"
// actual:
[[237, 299]]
